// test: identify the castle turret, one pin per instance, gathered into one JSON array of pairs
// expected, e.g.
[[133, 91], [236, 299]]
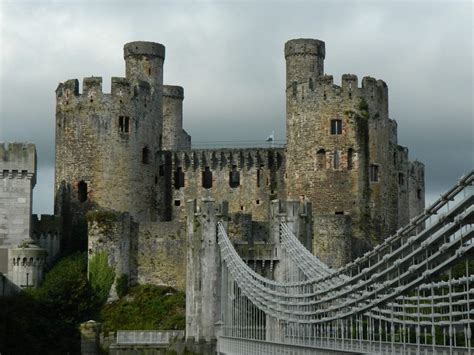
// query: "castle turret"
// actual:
[[172, 117], [144, 61], [304, 60]]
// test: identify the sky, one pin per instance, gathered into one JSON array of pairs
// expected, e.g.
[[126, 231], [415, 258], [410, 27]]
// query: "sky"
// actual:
[[228, 56]]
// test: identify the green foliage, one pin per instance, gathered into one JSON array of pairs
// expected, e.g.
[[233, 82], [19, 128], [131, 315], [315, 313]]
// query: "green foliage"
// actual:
[[122, 285], [146, 307], [101, 276], [45, 320], [101, 216]]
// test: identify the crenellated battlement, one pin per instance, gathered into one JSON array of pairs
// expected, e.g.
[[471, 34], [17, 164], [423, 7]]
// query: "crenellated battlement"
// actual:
[[219, 159], [323, 87], [69, 91], [18, 160]]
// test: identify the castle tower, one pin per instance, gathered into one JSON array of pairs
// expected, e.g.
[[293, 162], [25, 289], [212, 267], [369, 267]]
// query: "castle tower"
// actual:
[[106, 142], [304, 60], [173, 117], [343, 155], [144, 62]]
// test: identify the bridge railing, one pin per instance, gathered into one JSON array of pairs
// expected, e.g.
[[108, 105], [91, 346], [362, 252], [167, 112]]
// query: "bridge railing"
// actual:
[[148, 336]]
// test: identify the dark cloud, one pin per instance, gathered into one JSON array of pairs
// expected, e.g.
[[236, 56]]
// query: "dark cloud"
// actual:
[[229, 58]]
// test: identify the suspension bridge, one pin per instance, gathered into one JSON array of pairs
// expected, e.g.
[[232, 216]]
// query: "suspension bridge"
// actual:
[[411, 294]]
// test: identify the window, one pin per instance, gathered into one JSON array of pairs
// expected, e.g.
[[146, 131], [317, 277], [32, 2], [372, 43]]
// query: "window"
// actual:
[[336, 126], [339, 212], [257, 202], [145, 155], [124, 124], [418, 194], [207, 178], [177, 203], [335, 160], [311, 86], [82, 191], [161, 170], [401, 179], [374, 172], [234, 177], [178, 178], [321, 159], [259, 175], [295, 88], [350, 158]]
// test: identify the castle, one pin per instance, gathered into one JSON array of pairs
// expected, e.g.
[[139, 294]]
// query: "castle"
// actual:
[[125, 167]]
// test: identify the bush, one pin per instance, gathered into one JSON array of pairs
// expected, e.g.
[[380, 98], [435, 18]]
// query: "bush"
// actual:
[[146, 307], [45, 320], [101, 276], [121, 285]]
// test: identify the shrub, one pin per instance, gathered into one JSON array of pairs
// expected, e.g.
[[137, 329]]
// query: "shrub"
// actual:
[[121, 285], [101, 276]]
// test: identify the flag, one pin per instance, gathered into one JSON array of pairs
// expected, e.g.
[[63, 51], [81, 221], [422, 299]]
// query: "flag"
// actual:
[[271, 137]]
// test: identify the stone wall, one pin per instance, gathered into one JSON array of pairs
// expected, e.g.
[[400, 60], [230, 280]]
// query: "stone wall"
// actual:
[[47, 232], [161, 255], [116, 235], [17, 179], [332, 239], [259, 175]]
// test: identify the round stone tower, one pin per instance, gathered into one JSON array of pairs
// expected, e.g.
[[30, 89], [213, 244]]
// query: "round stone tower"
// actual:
[[304, 60], [106, 142], [144, 61], [172, 117], [27, 264]]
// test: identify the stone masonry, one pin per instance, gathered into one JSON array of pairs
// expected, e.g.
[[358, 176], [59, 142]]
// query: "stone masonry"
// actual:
[[126, 152]]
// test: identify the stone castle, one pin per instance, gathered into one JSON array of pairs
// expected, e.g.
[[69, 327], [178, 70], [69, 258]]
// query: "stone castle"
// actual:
[[125, 169]]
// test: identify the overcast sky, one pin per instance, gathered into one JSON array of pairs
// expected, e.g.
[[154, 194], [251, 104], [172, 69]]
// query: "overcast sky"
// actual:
[[229, 58]]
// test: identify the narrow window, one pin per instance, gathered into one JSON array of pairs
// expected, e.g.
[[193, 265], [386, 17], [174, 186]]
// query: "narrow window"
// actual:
[[335, 160], [82, 191], [156, 180], [259, 175], [127, 124], [124, 122], [161, 170], [295, 88], [350, 158], [234, 177], [145, 155], [311, 86], [207, 178], [321, 159], [374, 172], [336, 126], [178, 178], [394, 158], [242, 208], [257, 202], [418, 194], [401, 179]]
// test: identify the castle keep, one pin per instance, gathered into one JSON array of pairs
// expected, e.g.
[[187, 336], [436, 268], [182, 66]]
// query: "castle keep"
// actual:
[[125, 153]]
